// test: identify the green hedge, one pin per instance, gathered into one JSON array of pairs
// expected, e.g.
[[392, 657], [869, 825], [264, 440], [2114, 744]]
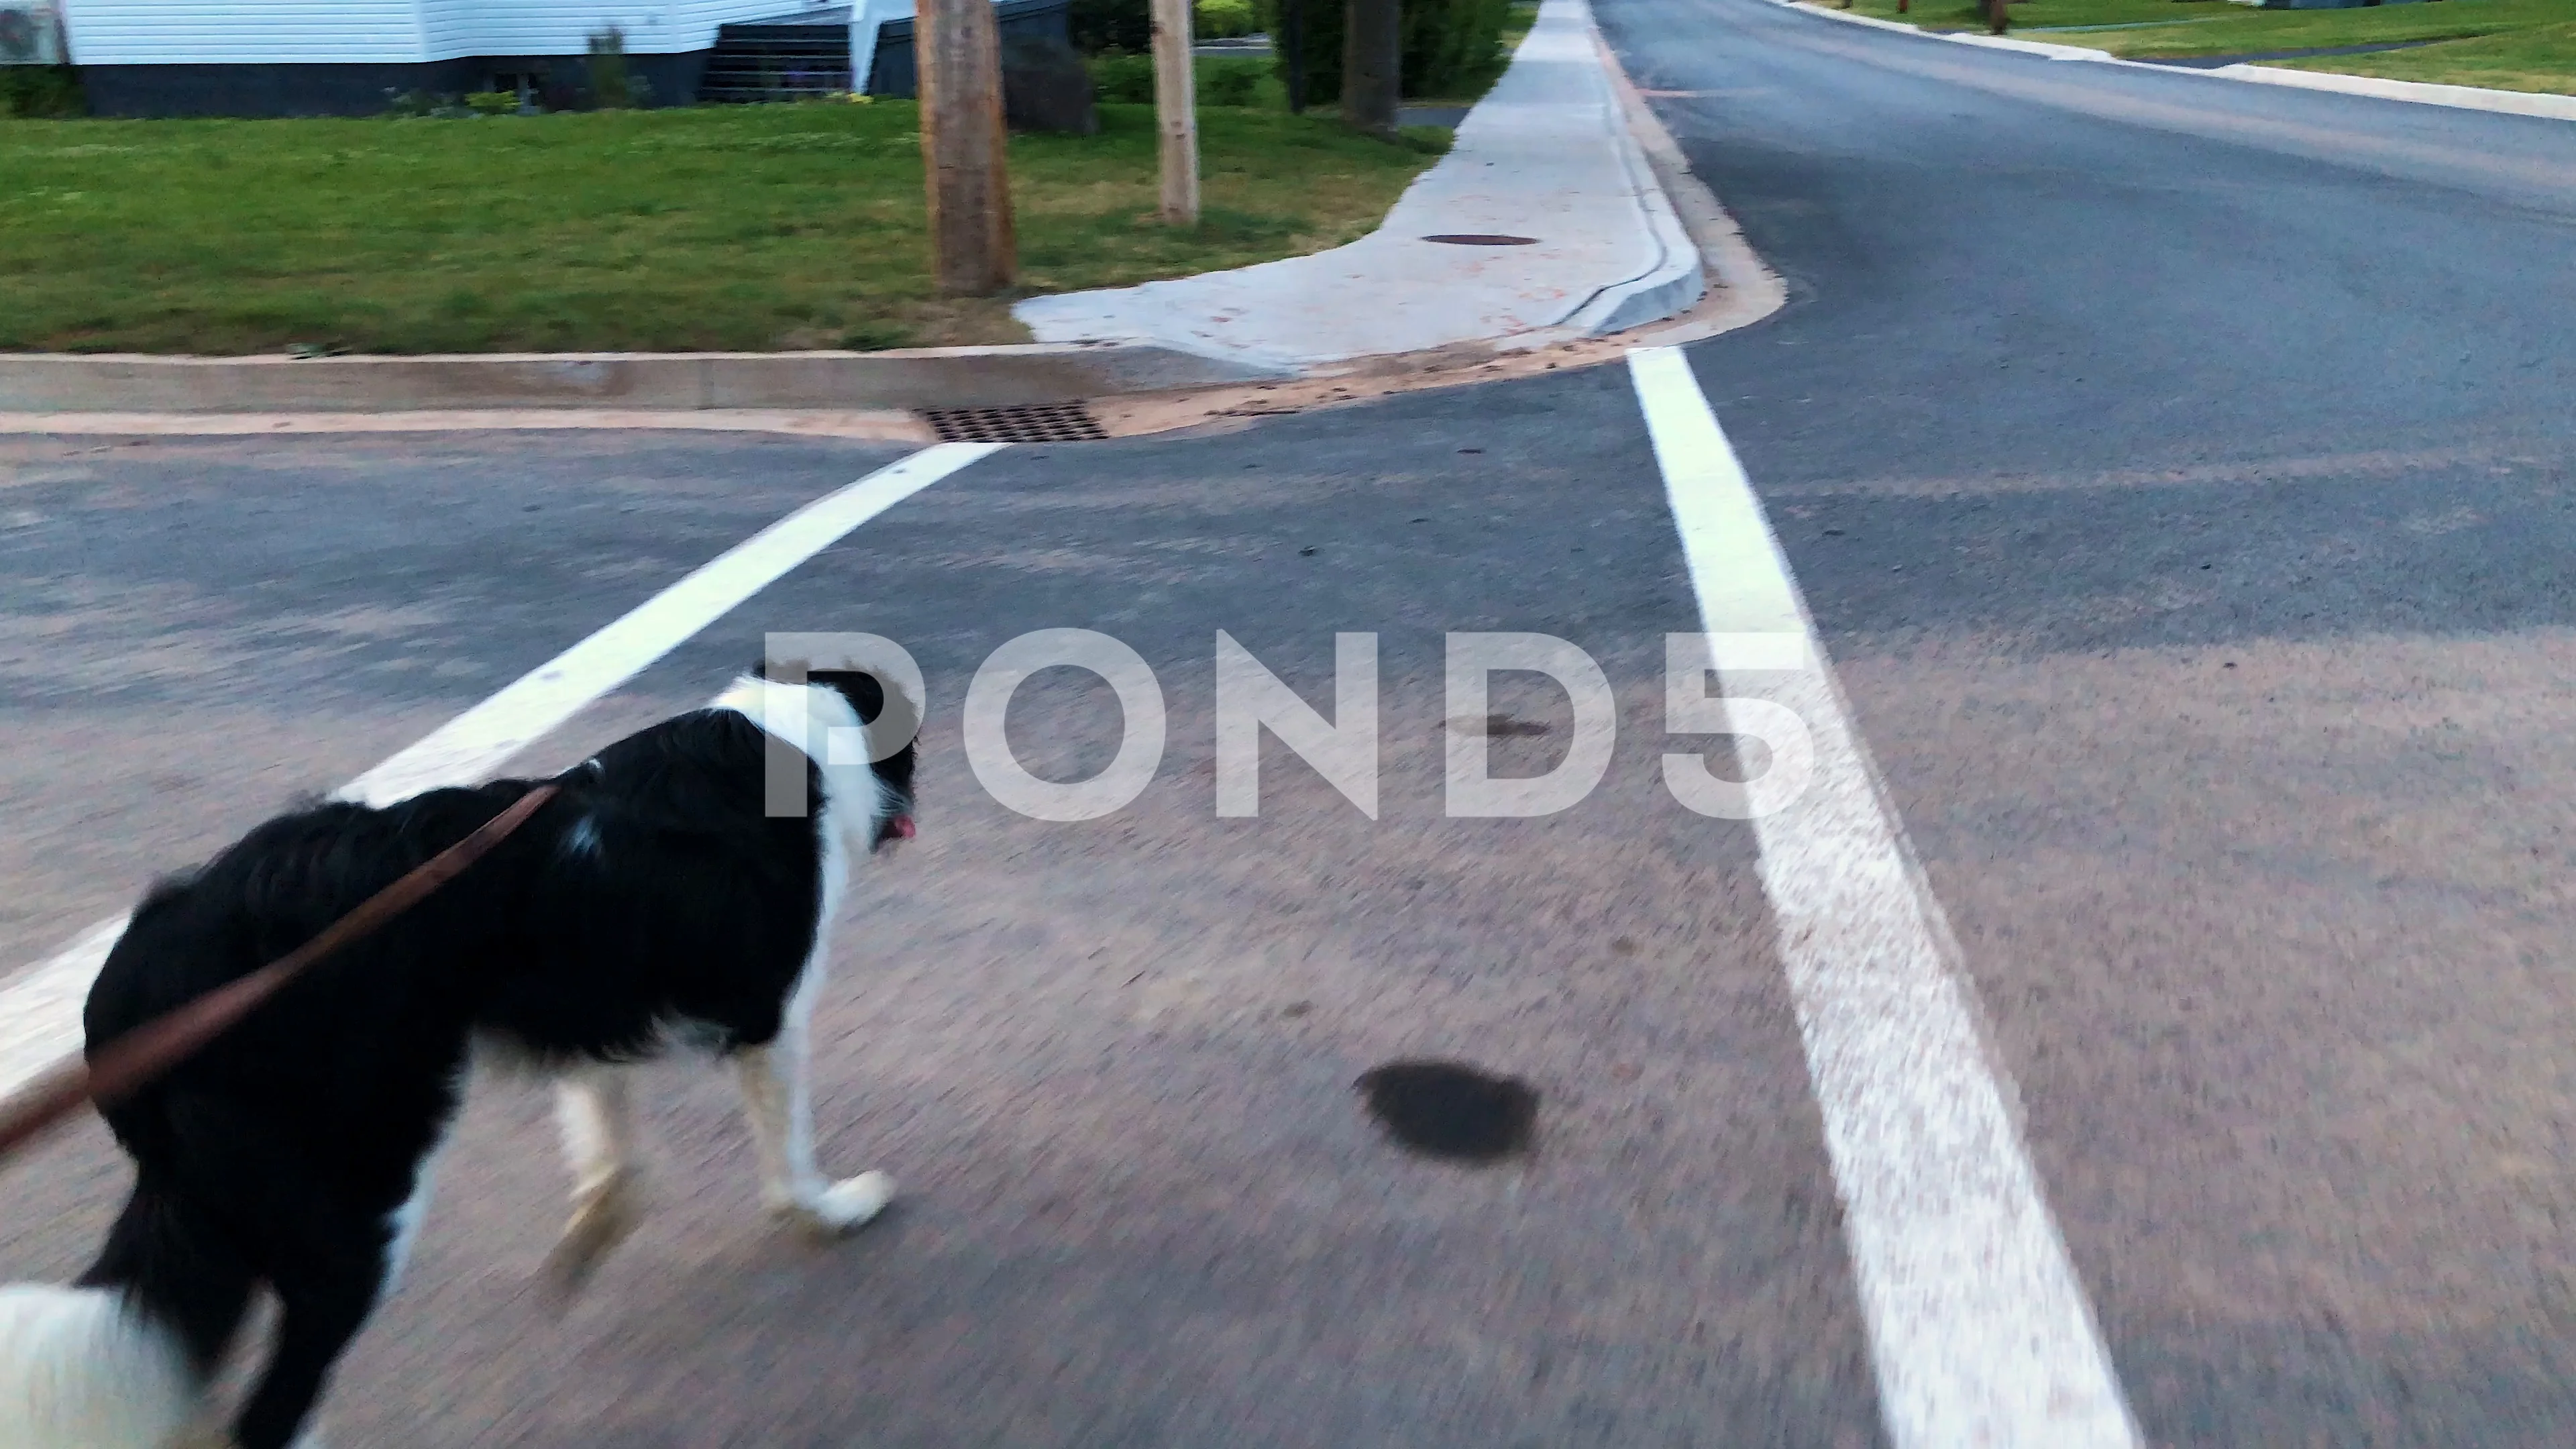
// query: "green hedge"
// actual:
[[1111, 27], [41, 91], [1452, 48], [1129, 80], [1115, 27], [1222, 19]]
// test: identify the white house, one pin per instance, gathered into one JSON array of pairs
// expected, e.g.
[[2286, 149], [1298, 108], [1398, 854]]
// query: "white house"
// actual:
[[345, 57]]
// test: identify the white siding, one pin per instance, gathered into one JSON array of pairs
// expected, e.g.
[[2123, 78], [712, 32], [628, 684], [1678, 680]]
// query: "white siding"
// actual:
[[564, 27], [238, 32], [272, 32]]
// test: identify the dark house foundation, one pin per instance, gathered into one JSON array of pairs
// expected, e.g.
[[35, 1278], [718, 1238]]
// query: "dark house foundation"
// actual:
[[558, 82]]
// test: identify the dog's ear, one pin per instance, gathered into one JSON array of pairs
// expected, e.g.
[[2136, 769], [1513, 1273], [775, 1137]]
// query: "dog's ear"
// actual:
[[867, 696], [866, 691]]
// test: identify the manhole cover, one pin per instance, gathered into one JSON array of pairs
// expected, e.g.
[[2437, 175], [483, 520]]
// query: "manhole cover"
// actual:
[[1482, 239], [1451, 1110], [1041, 423]]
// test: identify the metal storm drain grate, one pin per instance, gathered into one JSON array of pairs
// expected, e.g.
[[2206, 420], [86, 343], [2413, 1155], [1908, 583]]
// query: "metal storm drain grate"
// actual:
[[1482, 239], [1042, 423]]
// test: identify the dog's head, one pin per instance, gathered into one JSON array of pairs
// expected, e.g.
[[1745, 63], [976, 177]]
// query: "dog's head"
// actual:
[[888, 715]]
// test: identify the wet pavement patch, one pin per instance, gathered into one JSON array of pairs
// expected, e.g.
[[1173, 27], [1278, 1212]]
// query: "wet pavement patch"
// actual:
[[1497, 727], [1452, 1111]]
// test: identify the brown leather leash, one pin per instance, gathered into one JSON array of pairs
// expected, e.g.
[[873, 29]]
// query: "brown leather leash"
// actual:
[[134, 1060]]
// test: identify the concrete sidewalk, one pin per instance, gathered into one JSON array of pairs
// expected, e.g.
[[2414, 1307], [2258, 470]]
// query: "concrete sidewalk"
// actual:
[[1547, 155]]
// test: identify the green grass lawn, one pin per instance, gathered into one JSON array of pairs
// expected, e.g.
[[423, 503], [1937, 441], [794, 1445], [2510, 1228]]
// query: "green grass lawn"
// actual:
[[720, 227], [2541, 58], [2517, 44]]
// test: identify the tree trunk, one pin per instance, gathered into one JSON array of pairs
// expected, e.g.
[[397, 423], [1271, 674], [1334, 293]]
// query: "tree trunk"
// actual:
[[1372, 57], [1176, 112], [1292, 33], [959, 47]]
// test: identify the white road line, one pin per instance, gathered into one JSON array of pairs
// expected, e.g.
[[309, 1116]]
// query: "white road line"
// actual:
[[1978, 1325], [40, 1013]]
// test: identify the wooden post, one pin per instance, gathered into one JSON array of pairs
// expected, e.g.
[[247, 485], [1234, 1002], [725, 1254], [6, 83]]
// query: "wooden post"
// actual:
[[1372, 57], [1998, 16], [1292, 34], [958, 45], [1176, 112]]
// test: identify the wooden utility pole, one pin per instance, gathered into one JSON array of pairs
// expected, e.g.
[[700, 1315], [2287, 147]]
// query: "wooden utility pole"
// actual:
[[958, 45], [1999, 15], [1372, 59], [1176, 112]]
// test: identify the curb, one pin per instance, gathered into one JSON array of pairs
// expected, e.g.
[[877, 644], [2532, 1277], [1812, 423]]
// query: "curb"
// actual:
[[1748, 289], [1677, 280], [869, 426], [2539, 104], [1008, 376]]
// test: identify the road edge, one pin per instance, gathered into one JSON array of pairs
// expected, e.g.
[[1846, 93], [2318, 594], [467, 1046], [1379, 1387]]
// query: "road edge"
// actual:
[[1747, 289], [2539, 105], [1678, 280]]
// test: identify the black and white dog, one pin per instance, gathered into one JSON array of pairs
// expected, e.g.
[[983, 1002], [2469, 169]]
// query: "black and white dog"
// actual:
[[655, 898]]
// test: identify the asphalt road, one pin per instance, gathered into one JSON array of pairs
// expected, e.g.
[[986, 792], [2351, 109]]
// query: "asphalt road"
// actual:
[[2178, 472]]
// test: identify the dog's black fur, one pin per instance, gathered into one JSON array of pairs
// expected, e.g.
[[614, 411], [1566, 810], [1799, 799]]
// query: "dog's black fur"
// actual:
[[652, 894]]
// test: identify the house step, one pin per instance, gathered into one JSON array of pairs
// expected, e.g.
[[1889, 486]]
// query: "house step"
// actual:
[[807, 54], [756, 63]]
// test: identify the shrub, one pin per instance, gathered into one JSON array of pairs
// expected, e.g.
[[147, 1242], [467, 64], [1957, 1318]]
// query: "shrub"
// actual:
[[493, 103], [1223, 19], [613, 87], [1229, 82], [1123, 79], [417, 105], [1129, 80], [1456, 46], [1111, 27], [1451, 47], [1126, 27], [41, 91]]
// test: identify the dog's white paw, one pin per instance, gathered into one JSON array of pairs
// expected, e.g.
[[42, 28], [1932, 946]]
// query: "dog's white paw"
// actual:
[[845, 1206]]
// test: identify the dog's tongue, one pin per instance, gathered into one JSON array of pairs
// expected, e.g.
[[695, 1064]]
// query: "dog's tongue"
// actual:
[[902, 825]]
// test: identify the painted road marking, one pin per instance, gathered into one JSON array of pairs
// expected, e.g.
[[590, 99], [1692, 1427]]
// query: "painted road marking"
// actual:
[[40, 1013], [1978, 1325]]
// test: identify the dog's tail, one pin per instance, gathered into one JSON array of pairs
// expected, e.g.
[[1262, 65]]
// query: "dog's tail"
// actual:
[[121, 1360]]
